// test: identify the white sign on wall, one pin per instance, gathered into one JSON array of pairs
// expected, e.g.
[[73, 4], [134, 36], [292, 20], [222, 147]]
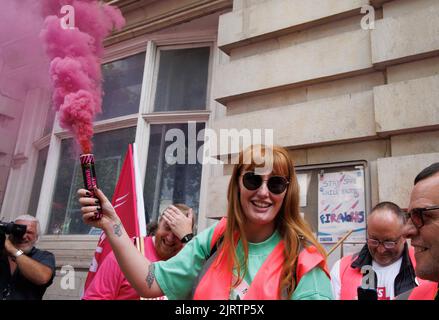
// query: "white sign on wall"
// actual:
[[341, 206], [303, 179]]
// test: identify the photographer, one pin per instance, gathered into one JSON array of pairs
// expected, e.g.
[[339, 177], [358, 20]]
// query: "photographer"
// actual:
[[25, 271]]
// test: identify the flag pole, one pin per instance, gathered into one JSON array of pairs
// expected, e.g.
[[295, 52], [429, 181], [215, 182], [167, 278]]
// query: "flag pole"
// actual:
[[137, 240], [339, 242], [140, 245], [140, 205]]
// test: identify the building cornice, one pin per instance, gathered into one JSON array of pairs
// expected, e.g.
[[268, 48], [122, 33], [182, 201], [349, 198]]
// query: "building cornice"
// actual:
[[189, 10]]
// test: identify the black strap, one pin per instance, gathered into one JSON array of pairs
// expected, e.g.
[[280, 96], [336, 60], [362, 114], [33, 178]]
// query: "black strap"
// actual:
[[216, 246]]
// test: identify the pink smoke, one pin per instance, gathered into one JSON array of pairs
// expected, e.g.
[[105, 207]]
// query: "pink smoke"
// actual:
[[75, 67], [23, 61]]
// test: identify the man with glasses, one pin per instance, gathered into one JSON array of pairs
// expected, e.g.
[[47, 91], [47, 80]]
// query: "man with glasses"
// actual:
[[422, 229], [385, 260]]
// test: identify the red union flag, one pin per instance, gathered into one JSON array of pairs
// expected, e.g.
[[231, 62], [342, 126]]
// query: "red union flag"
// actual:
[[125, 203]]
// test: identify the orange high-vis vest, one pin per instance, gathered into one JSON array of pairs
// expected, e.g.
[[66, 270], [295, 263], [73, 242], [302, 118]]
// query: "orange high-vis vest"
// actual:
[[217, 281], [350, 278], [425, 291]]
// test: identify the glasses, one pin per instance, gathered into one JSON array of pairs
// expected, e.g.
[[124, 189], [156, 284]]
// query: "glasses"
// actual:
[[275, 184], [386, 244], [417, 215]]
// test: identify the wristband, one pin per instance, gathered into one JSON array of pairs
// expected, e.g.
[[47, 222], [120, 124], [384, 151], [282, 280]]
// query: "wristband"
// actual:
[[18, 253], [187, 238]]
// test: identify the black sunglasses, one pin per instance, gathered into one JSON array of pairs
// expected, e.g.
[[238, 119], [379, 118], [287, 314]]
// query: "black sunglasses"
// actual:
[[417, 215], [275, 184]]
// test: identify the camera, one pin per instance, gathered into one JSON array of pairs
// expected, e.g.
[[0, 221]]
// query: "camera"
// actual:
[[14, 229]]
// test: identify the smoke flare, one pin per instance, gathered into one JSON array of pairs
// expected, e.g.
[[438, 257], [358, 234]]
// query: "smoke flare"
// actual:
[[75, 67]]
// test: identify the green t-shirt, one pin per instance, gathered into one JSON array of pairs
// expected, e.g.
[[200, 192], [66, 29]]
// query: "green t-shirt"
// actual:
[[177, 275]]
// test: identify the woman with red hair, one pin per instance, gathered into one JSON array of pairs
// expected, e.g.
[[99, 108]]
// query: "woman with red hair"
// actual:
[[263, 249]]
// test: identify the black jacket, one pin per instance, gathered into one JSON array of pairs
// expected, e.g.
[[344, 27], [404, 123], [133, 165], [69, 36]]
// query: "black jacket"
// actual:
[[404, 281]]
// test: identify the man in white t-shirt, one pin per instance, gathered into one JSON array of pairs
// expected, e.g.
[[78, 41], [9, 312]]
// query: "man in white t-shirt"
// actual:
[[385, 260]]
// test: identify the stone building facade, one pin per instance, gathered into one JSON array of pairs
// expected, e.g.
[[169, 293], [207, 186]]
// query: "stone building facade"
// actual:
[[343, 84]]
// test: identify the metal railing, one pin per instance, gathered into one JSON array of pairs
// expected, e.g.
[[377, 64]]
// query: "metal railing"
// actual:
[[340, 243]]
